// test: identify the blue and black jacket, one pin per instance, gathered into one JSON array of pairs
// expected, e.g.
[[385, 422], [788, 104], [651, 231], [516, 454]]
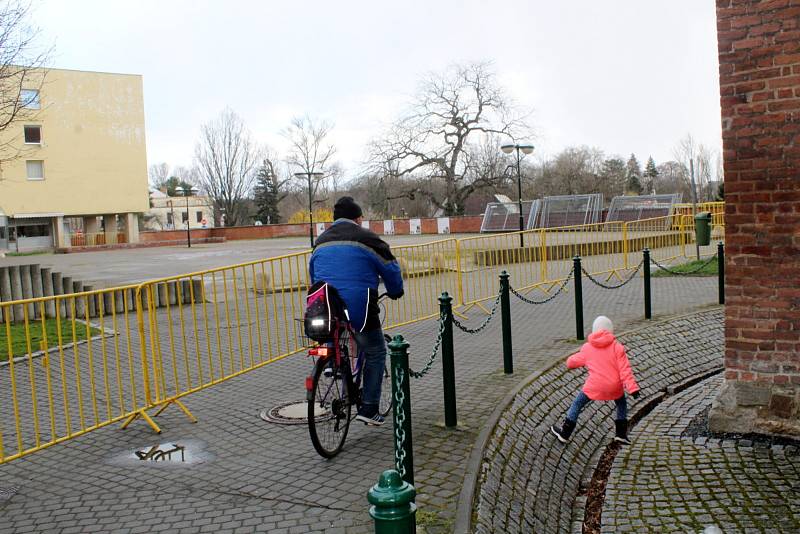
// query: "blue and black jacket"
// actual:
[[353, 260]]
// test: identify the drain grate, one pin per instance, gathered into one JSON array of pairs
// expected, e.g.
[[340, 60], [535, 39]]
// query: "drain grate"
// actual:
[[291, 413], [7, 493], [165, 452]]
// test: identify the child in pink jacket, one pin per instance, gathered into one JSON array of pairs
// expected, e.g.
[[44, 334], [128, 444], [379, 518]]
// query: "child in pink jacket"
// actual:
[[609, 372]]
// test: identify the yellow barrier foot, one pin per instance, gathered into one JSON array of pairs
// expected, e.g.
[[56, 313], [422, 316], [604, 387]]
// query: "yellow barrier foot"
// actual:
[[180, 405], [143, 414]]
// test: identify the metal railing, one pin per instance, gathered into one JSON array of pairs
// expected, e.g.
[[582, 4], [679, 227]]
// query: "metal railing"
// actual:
[[70, 365], [84, 360], [97, 239]]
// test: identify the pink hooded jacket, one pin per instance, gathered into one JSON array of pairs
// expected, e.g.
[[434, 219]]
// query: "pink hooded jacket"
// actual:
[[608, 366]]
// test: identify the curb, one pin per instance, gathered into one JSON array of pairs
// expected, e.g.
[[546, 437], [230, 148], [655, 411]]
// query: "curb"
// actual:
[[466, 498]]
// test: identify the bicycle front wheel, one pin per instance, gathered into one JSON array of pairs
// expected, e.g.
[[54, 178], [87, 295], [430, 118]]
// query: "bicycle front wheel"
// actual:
[[329, 408]]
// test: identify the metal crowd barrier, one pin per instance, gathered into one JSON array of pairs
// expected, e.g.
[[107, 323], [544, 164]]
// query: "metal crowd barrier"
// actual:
[[84, 360]]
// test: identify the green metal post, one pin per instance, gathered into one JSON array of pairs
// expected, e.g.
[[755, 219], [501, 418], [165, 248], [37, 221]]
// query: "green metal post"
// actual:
[[721, 270], [448, 362], [648, 312], [403, 443], [393, 508], [505, 310], [576, 262]]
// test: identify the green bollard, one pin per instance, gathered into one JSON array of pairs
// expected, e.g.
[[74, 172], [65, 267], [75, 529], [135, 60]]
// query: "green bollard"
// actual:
[[648, 305], [393, 508], [721, 270], [576, 263], [448, 362], [403, 443], [505, 311]]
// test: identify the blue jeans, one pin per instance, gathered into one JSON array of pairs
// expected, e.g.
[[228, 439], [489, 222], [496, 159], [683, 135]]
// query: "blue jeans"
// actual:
[[373, 345], [582, 400]]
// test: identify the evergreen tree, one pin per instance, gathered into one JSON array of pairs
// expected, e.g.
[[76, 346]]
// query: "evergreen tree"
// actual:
[[266, 196], [650, 175], [633, 182]]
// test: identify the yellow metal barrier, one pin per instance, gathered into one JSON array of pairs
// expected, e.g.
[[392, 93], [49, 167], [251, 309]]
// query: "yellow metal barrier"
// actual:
[[68, 365], [81, 361], [205, 327]]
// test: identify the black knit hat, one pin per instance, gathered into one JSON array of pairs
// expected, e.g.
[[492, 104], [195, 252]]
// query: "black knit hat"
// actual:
[[346, 208]]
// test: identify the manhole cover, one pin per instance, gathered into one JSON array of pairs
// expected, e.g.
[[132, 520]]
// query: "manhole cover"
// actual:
[[291, 413]]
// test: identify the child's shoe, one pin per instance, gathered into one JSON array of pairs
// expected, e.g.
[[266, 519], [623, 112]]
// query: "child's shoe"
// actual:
[[622, 432], [565, 431]]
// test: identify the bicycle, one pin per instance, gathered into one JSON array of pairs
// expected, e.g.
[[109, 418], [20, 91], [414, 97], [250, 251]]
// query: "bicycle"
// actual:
[[336, 386]]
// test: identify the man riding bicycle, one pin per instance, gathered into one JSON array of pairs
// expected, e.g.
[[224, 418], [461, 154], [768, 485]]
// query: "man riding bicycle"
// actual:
[[353, 259]]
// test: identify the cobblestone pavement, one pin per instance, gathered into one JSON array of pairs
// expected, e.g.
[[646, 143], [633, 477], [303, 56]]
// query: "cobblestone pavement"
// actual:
[[255, 476], [528, 480], [668, 481]]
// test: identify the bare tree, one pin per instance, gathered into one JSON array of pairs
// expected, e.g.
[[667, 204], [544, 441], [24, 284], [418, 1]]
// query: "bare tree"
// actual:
[[158, 174], [450, 119], [704, 159], [226, 159], [311, 154], [22, 72]]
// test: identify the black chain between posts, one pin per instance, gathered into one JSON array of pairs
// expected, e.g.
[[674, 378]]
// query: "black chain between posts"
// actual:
[[399, 428], [548, 299], [608, 286], [432, 357], [483, 325], [683, 273]]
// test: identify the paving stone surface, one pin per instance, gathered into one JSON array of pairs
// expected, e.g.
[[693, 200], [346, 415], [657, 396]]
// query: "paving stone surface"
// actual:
[[668, 481], [255, 476]]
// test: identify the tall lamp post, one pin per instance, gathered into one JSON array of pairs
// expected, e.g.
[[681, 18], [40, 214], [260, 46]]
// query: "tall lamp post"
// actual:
[[310, 177], [187, 192], [525, 149]]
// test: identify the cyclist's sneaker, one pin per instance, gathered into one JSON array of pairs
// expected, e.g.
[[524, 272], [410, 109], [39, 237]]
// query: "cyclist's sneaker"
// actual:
[[375, 420]]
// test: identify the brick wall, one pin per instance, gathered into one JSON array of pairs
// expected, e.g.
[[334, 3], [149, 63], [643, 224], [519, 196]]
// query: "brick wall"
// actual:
[[759, 55], [468, 224]]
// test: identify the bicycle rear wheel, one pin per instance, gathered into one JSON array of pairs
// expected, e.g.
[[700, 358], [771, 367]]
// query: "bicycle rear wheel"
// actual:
[[329, 407]]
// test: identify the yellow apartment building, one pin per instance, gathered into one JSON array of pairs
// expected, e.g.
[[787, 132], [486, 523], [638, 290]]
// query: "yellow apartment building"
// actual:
[[80, 177]]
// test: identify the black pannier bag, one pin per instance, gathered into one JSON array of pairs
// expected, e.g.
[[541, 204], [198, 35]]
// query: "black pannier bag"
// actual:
[[325, 310]]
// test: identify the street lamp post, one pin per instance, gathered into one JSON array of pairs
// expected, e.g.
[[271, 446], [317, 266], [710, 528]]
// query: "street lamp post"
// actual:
[[310, 176], [187, 192], [526, 149]]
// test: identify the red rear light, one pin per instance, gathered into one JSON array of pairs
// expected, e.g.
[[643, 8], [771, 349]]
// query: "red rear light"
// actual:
[[309, 383], [312, 352], [322, 351]]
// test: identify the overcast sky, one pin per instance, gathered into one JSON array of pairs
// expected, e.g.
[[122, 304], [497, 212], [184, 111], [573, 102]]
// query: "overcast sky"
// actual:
[[622, 75]]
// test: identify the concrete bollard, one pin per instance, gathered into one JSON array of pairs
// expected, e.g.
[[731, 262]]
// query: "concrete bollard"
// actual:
[[46, 276], [172, 293], [91, 301], [80, 303], [186, 292], [27, 289], [38, 290], [16, 291], [119, 302], [160, 295], [108, 303], [5, 292], [58, 289]]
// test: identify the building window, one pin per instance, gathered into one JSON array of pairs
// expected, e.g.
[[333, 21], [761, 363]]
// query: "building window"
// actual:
[[184, 217], [30, 99], [199, 215], [35, 169], [170, 222], [33, 135], [33, 230]]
